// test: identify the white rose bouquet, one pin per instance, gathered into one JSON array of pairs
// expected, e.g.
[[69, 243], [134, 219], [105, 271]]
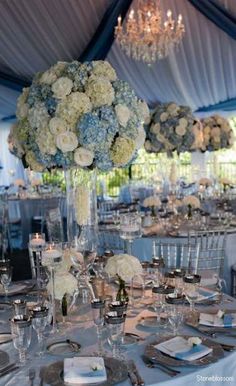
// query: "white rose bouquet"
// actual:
[[151, 202], [191, 201], [78, 114], [217, 133], [124, 266]]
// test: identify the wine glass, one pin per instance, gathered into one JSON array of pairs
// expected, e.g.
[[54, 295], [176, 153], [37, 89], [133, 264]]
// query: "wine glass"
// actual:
[[39, 322], [21, 335], [5, 277], [175, 316], [190, 289], [98, 309], [130, 229], [115, 325]]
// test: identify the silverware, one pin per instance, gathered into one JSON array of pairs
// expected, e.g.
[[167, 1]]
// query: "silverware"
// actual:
[[2, 374], [32, 374], [133, 368], [164, 368]]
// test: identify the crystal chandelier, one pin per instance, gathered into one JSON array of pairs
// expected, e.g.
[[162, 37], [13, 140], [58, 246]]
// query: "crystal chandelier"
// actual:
[[146, 36]]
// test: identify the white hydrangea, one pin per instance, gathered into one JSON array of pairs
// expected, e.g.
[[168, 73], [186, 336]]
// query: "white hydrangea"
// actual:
[[46, 142], [151, 201], [48, 77], [67, 141], [155, 128], [62, 87], [57, 126], [100, 91], [123, 114], [64, 283], [123, 265], [83, 157], [38, 116], [73, 107], [192, 201], [173, 109], [180, 130], [104, 69]]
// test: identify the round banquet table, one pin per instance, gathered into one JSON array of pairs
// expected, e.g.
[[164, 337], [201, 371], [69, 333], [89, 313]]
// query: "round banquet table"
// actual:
[[85, 334]]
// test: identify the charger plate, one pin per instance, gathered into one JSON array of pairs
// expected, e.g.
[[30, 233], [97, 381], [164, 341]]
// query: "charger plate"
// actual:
[[192, 320], [116, 372], [157, 356], [64, 347]]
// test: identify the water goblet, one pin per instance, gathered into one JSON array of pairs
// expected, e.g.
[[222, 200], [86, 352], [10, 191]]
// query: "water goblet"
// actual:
[[20, 307], [5, 277], [21, 335], [39, 322], [115, 325], [98, 309], [130, 229], [190, 289], [175, 318]]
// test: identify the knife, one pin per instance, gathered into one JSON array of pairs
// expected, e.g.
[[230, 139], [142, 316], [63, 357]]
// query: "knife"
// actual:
[[132, 366]]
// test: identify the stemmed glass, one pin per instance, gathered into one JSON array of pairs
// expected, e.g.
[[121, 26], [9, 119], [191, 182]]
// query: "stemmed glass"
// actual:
[[98, 309], [130, 229], [115, 325], [190, 289], [175, 318], [5, 277], [39, 322], [21, 335]]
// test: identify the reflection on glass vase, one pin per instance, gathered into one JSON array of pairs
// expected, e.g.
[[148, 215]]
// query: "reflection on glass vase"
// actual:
[[82, 235]]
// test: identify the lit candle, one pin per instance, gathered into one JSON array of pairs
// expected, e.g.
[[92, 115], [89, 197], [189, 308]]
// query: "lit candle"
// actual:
[[169, 13], [119, 21], [51, 255], [37, 241]]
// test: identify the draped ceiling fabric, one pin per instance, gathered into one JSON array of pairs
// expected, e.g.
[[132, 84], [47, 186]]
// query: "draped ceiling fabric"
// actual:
[[200, 73], [37, 33]]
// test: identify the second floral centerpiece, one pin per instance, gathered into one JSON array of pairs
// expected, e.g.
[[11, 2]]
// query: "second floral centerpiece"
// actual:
[[123, 267]]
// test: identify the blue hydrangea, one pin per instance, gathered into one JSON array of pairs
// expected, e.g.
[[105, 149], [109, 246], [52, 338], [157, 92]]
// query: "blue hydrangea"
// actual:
[[103, 161], [123, 93], [51, 105], [71, 69], [46, 92], [34, 94]]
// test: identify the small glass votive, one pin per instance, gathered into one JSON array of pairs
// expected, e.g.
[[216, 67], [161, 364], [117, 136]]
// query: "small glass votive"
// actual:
[[36, 241], [52, 254], [20, 307]]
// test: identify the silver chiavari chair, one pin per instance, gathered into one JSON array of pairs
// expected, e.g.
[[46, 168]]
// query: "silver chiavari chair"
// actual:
[[177, 254], [209, 261]]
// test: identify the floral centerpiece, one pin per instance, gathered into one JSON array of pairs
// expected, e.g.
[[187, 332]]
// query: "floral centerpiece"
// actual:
[[170, 129], [125, 268], [217, 133], [191, 202], [78, 114], [152, 202]]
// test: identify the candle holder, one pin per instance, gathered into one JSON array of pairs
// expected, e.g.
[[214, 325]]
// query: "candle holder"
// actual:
[[36, 245], [52, 257]]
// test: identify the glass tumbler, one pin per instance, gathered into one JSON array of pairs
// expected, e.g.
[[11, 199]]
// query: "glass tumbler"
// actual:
[[115, 326]]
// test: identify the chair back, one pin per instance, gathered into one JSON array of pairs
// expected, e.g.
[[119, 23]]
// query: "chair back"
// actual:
[[209, 262], [176, 254]]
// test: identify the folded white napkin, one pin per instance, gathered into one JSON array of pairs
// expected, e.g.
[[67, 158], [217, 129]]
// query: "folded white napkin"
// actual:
[[212, 320], [80, 370], [179, 348]]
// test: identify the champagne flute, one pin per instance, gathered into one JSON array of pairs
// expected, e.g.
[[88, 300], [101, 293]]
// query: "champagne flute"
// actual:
[[175, 318]]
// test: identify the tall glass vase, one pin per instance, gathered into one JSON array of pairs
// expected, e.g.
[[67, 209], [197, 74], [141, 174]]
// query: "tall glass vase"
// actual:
[[82, 234]]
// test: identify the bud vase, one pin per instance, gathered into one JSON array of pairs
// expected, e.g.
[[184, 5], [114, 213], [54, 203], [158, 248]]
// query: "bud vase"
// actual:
[[122, 294]]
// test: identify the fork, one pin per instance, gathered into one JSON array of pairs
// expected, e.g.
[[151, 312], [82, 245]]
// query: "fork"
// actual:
[[166, 369], [32, 374]]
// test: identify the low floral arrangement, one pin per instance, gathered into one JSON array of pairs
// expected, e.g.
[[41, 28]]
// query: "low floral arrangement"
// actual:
[[191, 201], [124, 266], [170, 129], [217, 133], [19, 182], [151, 201], [78, 114], [206, 182], [226, 182]]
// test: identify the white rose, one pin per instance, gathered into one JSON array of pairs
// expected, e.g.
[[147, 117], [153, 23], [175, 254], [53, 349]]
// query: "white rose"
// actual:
[[64, 283], [183, 122], [104, 69], [123, 265], [100, 92], [67, 141], [57, 126], [144, 112], [194, 341], [83, 157], [48, 77], [123, 114], [164, 117], [180, 130], [62, 87]]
